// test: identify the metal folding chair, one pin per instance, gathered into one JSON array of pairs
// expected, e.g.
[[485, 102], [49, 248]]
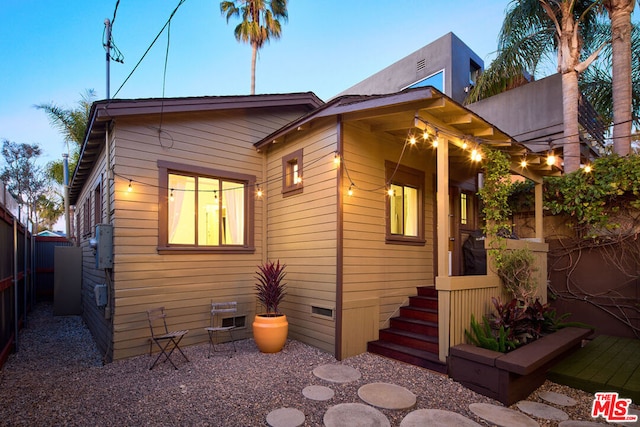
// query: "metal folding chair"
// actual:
[[166, 341], [218, 309]]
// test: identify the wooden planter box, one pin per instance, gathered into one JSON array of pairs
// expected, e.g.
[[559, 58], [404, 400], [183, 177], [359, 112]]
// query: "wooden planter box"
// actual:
[[511, 377]]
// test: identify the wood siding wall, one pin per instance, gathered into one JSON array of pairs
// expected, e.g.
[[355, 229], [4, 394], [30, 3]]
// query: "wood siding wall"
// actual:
[[98, 321], [184, 283], [302, 232], [372, 267]]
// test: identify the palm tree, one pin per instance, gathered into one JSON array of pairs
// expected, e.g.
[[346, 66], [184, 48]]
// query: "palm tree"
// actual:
[[597, 83], [534, 31], [72, 124], [260, 22], [620, 16]]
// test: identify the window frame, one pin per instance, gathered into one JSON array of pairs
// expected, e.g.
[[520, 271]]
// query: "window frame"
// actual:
[[405, 176], [289, 186], [164, 169]]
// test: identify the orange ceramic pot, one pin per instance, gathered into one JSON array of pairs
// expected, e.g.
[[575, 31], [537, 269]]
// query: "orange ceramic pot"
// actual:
[[270, 333]]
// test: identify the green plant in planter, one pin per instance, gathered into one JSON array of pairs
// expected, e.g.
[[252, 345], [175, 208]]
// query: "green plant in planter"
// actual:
[[270, 289], [270, 328]]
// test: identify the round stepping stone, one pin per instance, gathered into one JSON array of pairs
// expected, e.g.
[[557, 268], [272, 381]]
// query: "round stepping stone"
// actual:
[[574, 423], [541, 410], [285, 417], [436, 418], [387, 396], [317, 392], [337, 373], [354, 415], [557, 398], [501, 416]]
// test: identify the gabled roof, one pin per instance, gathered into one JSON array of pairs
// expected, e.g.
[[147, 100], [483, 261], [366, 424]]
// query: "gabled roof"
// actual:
[[401, 113], [102, 113], [397, 112]]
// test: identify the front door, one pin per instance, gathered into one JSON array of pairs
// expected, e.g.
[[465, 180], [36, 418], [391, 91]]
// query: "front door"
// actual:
[[464, 219]]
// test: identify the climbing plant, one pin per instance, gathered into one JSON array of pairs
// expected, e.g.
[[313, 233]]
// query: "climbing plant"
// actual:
[[495, 201]]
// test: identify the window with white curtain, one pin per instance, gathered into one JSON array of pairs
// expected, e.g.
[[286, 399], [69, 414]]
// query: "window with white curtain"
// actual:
[[204, 209], [405, 212]]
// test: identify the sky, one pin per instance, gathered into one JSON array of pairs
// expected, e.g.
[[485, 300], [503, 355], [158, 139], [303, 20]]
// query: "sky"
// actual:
[[52, 52]]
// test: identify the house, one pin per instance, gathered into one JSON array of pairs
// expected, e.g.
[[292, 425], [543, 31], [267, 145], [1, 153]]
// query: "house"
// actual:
[[197, 192], [447, 64]]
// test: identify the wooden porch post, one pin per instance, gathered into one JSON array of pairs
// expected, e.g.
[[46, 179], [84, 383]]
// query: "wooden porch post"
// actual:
[[442, 209], [538, 211]]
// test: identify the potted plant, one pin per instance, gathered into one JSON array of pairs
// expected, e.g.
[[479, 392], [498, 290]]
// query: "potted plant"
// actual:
[[270, 328]]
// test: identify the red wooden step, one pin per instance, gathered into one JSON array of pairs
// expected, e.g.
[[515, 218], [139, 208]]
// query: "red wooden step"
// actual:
[[413, 356], [415, 325], [424, 302], [427, 291], [410, 339], [426, 314]]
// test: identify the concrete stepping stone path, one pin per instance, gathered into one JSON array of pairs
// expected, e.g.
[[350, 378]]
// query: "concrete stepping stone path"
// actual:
[[318, 392], [436, 418], [387, 396], [354, 415], [502, 416], [337, 373], [541, 410], [285, 417], [557, 398]]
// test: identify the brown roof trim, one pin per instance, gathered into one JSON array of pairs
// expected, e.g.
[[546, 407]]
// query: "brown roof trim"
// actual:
[[102, 112], [130, 107]]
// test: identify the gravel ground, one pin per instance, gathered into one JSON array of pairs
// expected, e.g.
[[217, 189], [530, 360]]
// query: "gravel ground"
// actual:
[[57, 378]]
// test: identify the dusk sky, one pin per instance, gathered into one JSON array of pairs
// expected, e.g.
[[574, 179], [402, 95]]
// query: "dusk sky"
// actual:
[[52, 51]]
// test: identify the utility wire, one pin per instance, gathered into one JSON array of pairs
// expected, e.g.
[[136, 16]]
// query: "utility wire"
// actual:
[[150, 46]]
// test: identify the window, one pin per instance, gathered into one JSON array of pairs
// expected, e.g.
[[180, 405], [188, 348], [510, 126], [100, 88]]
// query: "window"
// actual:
[[474, 72], [204, 209], [97, 204], [86, 216], [436, 80], [405, 211], [464, 209], [292, 173]]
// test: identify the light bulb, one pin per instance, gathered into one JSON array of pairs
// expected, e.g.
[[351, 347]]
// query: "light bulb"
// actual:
[[130, 189], [390, 192], [587, 168], [259, 193], [523, 163], [551, 160], [336, 159], [350, 191], [412, 140]]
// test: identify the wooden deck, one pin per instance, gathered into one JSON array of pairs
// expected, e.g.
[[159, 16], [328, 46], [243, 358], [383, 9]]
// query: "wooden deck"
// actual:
[[605, 364]]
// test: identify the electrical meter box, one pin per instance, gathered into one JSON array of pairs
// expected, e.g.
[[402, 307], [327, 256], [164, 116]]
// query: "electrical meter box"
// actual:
[[104, 246]]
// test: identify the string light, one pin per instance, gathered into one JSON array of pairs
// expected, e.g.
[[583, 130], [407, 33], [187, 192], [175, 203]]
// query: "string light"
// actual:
[[350, 191], [390, 192], [171, 195], [475, 155], [523, 162], [412, 140], [336, 158], [130, 189], [436, 141], [259, 192], [465, 145], [425, 135], [551, 159], [587, 168]]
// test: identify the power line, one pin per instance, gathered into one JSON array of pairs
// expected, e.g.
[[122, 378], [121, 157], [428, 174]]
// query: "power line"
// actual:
[[150, 46]]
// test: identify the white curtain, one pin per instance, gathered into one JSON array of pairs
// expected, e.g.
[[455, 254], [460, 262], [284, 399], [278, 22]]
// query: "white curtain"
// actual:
[[179, 208], [233, 200], [410, 211]]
